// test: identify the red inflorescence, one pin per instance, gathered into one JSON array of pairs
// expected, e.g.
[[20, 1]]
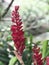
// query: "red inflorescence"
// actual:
[[37, 56], [17, 31]]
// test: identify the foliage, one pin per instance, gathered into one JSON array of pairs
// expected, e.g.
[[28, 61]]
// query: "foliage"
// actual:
[[13, 60]]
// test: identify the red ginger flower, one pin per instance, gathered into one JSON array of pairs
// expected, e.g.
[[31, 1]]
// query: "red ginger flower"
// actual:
[[37, 56], [17, 31]]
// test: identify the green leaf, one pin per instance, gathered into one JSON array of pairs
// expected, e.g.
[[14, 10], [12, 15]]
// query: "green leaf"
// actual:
[[9, 38], [1, 63], [44, 48], [25, 57], [13, 60], [2, 51], [31, 39], [4, 59]]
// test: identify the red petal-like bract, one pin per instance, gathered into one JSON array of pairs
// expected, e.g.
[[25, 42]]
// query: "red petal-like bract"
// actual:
[[17, 31], [37, 56]]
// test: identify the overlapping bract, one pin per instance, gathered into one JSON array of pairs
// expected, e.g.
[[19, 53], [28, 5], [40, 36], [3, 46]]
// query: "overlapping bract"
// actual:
[[37, 56], [17, 31]]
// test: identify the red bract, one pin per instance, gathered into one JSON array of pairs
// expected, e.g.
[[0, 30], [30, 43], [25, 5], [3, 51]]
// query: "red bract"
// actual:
[[17, 31], [37, 56], [16, 8]]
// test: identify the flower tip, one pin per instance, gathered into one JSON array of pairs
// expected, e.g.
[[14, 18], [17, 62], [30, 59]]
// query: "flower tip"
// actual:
[[16, 8]]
